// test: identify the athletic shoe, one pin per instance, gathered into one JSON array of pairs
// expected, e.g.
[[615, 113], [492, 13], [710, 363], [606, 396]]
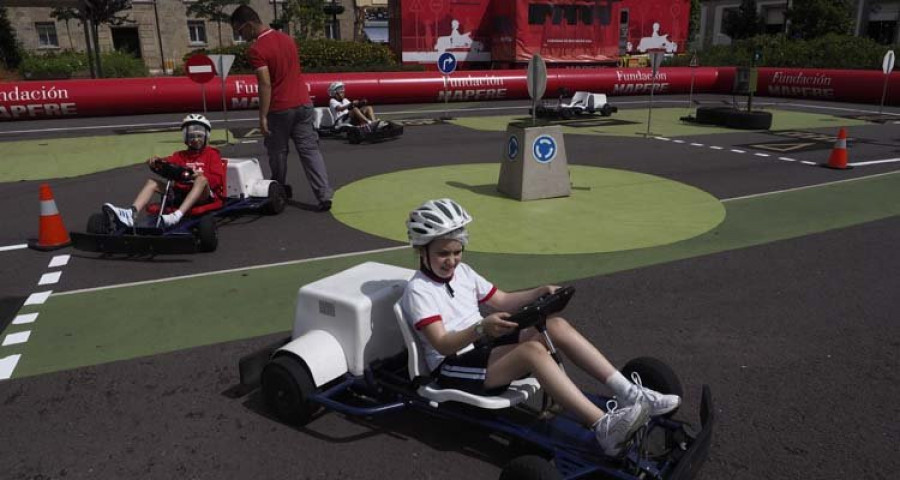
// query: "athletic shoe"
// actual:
[[655, 402], [124, 216], [170, 219], [325, 205], [618, 425]]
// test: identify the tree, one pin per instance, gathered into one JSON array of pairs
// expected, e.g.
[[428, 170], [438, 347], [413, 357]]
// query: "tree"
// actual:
[[10, 52], [64, 14], [92, 14], [308, 17], [814, 18], [694, 21], [214, 10], [745, 22]]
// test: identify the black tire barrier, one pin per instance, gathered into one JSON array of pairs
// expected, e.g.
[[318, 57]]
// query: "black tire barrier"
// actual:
[[733, 118]]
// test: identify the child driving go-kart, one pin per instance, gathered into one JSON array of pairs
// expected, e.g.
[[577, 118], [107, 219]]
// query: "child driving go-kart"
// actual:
[[483, 355], [355, 112], [197, 174]]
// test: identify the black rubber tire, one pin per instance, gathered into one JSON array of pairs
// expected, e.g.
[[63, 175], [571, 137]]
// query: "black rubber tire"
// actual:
[[744, 120], [98, 223], [287, 386], [354, 136], [713, 115], [656, 375], [606, 110], [529, 467], [207, 238], [566, 113], [277, 199]]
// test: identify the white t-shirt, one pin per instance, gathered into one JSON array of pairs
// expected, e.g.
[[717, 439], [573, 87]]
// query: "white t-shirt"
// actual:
[[427, 300], [342, 116]]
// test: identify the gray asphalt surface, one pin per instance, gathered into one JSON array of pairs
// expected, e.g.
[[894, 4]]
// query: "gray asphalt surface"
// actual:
[[798, 339]]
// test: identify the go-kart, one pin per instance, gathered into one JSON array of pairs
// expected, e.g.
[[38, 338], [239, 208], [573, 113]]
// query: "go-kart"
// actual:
[[326, 126], [581, 104], [352, 351], [246, 191]]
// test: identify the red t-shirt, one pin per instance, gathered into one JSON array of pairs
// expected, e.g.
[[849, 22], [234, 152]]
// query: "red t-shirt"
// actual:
[[278, 52], [208, 162]]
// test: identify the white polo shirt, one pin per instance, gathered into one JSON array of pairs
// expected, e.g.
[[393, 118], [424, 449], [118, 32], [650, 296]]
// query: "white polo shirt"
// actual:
[[428, 300]]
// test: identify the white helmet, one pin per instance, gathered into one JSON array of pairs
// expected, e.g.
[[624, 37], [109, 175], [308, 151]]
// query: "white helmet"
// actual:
[[196, 119], [334, 87], [436, 218]]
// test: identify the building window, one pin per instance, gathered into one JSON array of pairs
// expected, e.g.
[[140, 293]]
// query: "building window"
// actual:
[[197, 31], [46, 32]]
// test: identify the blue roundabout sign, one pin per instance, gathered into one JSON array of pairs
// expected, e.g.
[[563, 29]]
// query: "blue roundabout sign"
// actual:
[[544, 149]]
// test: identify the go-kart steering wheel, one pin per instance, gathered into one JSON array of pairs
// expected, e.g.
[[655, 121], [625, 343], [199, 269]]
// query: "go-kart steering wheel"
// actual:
[[172, 172], [537, 311]]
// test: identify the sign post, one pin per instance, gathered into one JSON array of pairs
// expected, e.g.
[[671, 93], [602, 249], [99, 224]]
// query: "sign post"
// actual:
[[656, 58], [537, 83], [694, 64], [223, 65], [447, 65], [887, 65], [200, 69]]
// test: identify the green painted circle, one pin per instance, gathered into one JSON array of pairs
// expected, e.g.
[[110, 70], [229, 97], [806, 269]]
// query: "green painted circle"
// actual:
[[608, 210]]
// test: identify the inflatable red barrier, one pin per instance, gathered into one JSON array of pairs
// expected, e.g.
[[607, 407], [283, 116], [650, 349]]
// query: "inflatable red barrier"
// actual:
[[82, 98]]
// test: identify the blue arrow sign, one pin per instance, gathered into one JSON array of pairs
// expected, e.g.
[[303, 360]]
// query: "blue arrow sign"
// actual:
[[446, 63], [544, 149], [512, 147]]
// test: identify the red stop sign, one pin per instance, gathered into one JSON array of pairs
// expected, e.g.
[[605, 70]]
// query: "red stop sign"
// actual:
[[200, 68]]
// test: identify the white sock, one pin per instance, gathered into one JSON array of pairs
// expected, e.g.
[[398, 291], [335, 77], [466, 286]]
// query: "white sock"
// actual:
[[620, 385], [177, 215]]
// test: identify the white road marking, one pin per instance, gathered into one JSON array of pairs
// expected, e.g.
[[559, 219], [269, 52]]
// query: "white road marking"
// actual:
[[678, 141], [232, 270], [38, 298], [49, 278], [25, 319], [807, 187], [697, 145], [662, 138], [716, 147], [761, 154], [807, 162], [7, 365], [16, 338], [786, 159], [13, 247], [874, 162], [737, 151], [59, 261]]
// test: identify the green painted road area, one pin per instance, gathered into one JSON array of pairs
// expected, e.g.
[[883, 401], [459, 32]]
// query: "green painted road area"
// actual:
[[664, 122], [99, 326]]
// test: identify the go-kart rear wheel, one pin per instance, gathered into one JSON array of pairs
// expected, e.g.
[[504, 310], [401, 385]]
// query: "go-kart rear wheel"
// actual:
[[529, 467], [655, 375], [277, 199], [287, 386], [207, 239], [354, 135], [566, 113], [606, 110], [98, 223]]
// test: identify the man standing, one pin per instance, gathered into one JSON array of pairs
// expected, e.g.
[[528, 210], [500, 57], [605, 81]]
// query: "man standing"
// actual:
[[285, 109]]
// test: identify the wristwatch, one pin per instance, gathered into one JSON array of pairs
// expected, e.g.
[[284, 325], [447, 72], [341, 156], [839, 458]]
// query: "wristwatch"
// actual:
[[479, 328]]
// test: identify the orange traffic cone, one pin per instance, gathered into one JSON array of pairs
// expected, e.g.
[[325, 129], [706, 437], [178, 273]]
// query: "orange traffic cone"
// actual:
[[53, 233], [838, 157]]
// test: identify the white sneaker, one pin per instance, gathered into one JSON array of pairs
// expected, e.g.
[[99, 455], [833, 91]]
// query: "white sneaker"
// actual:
[[618, 425], [657, 403], [125, 216], [171, 219]]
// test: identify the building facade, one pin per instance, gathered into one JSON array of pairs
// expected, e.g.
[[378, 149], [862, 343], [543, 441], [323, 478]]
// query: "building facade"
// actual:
[[161, 33]]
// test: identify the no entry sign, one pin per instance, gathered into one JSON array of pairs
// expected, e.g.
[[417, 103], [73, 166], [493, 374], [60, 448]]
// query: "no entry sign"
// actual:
[[200, 68]]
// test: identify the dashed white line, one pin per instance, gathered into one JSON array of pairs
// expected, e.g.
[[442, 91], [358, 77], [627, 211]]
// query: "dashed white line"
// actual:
[[25, 319], [737, 151], [38, 298], [59, 261], [697, 145], [7, 365], [716, 147], [762, 154], [13, 247], [678, 141], [16, 338], [49, 278], [807, 162]]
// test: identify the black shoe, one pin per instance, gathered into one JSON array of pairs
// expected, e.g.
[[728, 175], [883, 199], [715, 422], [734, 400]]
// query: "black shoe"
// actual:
[[288, 191], [325, 206]]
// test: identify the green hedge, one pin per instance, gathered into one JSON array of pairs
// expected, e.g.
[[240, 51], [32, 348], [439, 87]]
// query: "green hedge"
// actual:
[[69, 64], [829, 51], [323, 55]]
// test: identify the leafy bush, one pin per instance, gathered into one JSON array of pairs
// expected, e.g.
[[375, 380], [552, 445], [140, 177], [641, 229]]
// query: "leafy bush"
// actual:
[[64, 64], [829, 51], [122, 65]]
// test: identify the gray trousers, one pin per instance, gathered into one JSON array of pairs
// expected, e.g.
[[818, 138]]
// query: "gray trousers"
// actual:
[[297, 124]]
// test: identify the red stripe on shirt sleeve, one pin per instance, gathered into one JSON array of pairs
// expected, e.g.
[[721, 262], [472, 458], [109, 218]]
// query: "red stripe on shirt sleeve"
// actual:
[[427, 321], [489, 295]]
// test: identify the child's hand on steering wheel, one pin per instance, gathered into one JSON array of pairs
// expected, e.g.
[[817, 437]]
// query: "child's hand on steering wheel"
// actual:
[[496, 325], [152, 160]]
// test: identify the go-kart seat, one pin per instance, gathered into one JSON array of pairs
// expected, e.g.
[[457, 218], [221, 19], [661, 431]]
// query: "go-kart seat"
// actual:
[[579, 100], [324, 119], [518, 391]]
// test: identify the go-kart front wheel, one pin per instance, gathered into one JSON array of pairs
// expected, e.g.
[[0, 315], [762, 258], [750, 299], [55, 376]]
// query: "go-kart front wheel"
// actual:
[[656, 375], [207, 239], [287, 386], [98, 224], [530, 467]]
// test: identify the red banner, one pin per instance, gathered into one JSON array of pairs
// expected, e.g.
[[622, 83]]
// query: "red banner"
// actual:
[[82, 98]]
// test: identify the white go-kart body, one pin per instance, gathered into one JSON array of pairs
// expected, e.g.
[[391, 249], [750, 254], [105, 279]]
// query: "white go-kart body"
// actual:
[[244, 179]]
